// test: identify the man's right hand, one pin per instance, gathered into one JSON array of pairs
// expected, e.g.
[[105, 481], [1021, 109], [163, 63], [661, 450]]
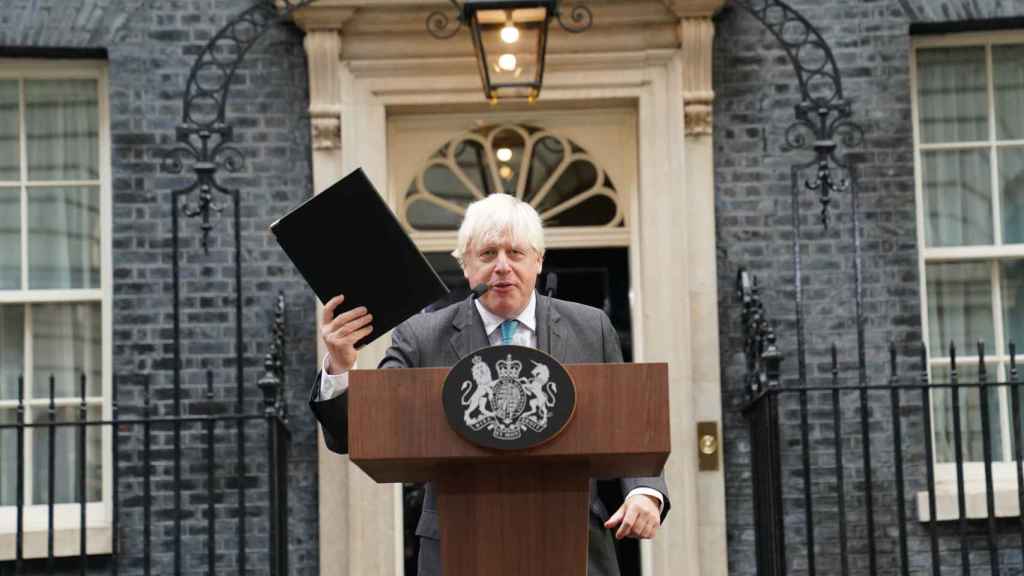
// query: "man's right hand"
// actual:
[[341, 334]]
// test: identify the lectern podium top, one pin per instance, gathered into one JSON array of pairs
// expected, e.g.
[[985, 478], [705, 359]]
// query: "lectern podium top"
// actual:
[[398, 430]]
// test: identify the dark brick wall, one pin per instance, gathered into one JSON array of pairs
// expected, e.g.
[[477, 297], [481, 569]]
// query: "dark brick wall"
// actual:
[[756, 90], [151, 47]]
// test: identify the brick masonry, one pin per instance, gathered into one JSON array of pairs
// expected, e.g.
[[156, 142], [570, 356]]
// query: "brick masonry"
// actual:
[[151, 47], [756, 90]]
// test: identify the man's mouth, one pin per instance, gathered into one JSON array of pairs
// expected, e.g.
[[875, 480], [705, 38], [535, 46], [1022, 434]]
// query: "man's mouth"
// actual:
[[502, 285]]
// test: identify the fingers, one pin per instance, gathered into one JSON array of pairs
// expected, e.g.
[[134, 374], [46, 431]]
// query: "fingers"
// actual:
[[328, 313], [635, 519], [340, 334], [628, 523], [344, 329], [360, 334], [332, 324], [615, 519]]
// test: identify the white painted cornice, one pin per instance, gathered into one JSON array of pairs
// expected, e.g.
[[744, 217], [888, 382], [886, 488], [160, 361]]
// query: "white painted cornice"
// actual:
[[694, 8], [394, 16], [406, 19], [323, 15], [465, 65]]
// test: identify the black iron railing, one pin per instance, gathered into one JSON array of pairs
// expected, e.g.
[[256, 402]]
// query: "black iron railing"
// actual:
[[204, 419], [849, 478]]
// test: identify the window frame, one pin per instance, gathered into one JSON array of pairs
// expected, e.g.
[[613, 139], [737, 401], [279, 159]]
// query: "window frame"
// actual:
[[997, 356], [67, 516], [414, 134]]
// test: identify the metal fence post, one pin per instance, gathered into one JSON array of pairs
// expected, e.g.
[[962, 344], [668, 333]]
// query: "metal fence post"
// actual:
[[764, 362]]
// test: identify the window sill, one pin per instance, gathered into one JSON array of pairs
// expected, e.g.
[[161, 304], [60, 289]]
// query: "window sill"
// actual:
[[66, 534], [65, 543], [947, 506]]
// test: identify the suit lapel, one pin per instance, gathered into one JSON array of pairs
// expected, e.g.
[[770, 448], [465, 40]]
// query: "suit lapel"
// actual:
[[548, 316], [468, 333]]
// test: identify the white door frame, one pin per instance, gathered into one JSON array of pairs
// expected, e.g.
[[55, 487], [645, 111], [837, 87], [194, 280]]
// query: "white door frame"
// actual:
[[673, 278]]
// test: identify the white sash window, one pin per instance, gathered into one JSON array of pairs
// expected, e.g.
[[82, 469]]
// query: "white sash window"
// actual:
[[968, 101], [54, 286]]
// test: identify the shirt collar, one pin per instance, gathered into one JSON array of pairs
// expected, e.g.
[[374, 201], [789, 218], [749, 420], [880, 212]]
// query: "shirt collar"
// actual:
[[528, 317]]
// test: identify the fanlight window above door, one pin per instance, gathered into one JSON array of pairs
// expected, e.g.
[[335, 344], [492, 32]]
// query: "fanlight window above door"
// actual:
[[566, 185]]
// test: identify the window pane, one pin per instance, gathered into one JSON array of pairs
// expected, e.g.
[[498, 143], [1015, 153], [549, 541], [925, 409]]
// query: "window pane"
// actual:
[[548, 153], [441, 181], [578, 177], [66, 457], [9, 150], [1008, 80], [12, 349], [424, 215], [1013, 302], [66, 342], [972, 446], [61, 126], [10, 238], [64, 237], [959, 306], [952, 94], [1011, 186], [8, 459], [957, 197]]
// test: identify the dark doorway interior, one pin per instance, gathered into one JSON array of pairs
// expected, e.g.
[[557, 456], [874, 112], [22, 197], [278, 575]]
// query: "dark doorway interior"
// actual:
[[597, 277]]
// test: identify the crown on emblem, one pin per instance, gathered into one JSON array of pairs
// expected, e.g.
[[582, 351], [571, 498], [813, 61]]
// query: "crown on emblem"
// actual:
[[509, 368]]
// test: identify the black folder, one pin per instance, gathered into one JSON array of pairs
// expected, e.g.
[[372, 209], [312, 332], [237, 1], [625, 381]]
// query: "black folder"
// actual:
[[345, 240]]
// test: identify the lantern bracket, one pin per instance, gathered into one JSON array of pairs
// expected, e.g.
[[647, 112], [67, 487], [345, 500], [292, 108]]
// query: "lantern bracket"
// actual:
[[575, 19], [440, 25], [580, 18]]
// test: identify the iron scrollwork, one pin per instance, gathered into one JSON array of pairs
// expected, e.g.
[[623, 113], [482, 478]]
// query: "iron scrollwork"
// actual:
[[577, 18], [580, 19], [273, 362], [440, 25], [824, 115], [204, 136], [764, 360]]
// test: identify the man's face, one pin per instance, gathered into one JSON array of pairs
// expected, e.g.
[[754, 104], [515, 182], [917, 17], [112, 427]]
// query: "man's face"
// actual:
[[510, 268]]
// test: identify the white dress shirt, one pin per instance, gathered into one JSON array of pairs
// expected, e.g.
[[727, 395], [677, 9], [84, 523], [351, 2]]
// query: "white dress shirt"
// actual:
[[333, 385]]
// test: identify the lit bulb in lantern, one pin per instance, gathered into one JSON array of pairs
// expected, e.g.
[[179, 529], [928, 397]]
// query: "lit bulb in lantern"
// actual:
[[507, 62], [510, 34]]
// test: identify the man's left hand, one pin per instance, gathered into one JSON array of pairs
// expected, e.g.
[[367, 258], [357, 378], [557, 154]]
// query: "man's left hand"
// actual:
[[638, 517]]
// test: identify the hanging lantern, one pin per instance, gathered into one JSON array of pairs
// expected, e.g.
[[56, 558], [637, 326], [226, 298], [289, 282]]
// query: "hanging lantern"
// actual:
[[510, 40]]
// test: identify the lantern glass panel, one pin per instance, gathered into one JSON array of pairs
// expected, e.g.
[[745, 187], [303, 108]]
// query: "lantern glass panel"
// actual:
[[513, 69]]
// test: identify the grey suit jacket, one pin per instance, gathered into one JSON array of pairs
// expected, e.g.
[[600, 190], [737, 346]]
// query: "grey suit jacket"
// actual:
[[578, 334]]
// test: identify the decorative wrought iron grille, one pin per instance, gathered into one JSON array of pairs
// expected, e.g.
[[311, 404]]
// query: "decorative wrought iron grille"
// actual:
[[833, 463]]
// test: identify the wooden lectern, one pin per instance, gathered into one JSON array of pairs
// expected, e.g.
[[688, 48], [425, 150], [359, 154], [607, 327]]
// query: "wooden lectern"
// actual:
[[511, 513]]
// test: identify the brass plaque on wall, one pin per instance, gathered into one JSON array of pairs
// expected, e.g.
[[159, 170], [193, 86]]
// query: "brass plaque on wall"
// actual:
[[707, 446]]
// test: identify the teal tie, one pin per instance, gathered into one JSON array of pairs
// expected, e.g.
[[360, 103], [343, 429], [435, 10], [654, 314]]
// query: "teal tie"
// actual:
[[508, 328]]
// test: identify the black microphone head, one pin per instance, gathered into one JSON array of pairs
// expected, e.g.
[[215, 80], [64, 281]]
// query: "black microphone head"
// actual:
[[480, 289], [551, 284]]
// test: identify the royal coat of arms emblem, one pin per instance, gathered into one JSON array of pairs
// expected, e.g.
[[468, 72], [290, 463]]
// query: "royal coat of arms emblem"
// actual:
[[508, 397]]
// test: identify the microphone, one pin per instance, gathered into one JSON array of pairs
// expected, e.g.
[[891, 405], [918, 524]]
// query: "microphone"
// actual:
[[550, 287], [480, 289]]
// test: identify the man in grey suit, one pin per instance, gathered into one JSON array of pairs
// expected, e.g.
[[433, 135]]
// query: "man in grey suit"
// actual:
[[500, 244]]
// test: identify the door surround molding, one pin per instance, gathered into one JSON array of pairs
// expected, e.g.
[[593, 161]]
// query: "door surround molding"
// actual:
[[672, 241]]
